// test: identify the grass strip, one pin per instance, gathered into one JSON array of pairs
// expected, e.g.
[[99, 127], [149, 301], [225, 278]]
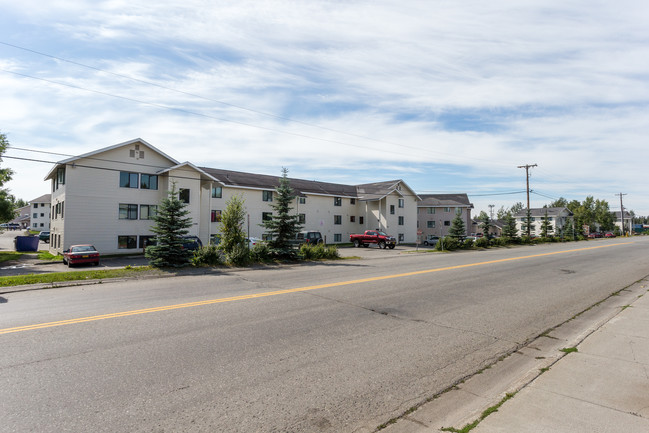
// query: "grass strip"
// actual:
[[467, 428], [56, 277]]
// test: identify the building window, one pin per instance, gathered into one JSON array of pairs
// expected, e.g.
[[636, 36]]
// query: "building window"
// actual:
[[215, 216], [127, 211], [266, 216], [267, 195], [338, 237], [217, 192], [401, 202], [361, 220], [401, 220], [149, 181], [401, 237], [447, 209], [352, 219], [35, 215], [447, 223], [352, 201], [430, 224], [391, 209], [35, 205], [145, 241], [301, 218], [301, 200], [126, 242], [458, 211], [128, 180], [148, 211], [431, 210], [338, 201], [183, 195], [42, 224], [338, 219], [60, 177], [42, 215]]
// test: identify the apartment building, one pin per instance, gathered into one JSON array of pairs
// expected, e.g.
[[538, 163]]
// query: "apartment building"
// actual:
[[40, 213], [109, 196], [557, 217], [435, 212]]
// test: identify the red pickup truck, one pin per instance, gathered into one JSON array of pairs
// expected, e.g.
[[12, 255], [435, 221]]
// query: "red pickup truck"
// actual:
[[373, 237]]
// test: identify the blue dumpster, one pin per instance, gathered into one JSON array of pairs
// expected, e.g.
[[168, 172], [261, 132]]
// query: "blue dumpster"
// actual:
[[26, 243]]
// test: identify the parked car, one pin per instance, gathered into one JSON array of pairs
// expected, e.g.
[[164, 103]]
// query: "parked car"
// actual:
[[44, 236], [309, 237], [609, 235], [594, 235], [431, 240], [192, 243], [78, 254], [253, 241], [377, 237]]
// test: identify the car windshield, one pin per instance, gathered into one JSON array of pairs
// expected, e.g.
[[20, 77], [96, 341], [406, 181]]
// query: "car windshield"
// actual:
[[83, 249], [381, 233]]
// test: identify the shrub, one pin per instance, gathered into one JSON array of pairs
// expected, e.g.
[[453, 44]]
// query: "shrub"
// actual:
[[483, 243], [318, 252], [239, 255], [261, 253], [448, 243], [207, 256], [499, 242], [467, 244]]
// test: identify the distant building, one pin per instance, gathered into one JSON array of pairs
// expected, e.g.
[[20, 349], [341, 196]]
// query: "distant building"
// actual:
[[557, 217], [628, 218], [435, 212], [40, 213]]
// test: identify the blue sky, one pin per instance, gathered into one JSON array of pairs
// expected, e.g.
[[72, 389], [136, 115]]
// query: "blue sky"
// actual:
[[449, 96]]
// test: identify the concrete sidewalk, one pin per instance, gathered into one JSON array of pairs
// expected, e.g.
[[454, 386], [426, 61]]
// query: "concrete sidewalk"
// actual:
[[603, 387]]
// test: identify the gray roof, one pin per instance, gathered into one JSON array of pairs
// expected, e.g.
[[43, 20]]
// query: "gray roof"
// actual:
[[47, 198], [444, 200], [370, 191], [541, 211]]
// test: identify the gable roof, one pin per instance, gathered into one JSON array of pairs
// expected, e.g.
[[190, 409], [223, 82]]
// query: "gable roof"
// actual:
[[46, 198], [445, 200], [106, 149], [204, 175]]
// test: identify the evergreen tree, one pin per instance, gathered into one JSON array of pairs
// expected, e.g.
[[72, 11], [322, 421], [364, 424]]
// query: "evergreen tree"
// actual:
[[546, 225], [568, 230], [485, 223], [509, 230], [458, 229], [283, 226], [171, 224], [233, 238], [527, 226]]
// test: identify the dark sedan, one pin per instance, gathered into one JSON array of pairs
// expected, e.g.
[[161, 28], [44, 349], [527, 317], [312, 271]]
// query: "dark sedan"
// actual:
[[78, 254]]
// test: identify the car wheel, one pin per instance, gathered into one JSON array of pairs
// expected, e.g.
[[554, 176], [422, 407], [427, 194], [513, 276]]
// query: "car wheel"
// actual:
[[357, 243], [382, 245]]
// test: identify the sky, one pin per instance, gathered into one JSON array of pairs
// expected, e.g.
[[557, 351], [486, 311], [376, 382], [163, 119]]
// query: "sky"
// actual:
[[449, 96]]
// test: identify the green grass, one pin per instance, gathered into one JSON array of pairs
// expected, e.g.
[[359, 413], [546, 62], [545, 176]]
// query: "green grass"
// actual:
[[56, 277], [6, 256], [569, 350], [467, 428]]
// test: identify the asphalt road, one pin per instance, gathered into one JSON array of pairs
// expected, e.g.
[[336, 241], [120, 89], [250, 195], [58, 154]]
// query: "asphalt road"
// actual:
[[333, 347]]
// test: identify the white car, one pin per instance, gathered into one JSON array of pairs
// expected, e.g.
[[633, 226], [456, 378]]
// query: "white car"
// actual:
[[253, 241]]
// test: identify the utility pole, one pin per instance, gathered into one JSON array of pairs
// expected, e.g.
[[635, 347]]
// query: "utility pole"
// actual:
[[527, 179], [622, 213]]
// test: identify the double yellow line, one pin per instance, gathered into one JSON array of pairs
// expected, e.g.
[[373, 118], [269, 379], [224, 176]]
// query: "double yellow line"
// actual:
[[279, 292]]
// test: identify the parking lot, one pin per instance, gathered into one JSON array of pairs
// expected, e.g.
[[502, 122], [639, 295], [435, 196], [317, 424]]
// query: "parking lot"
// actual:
[[31, 264]]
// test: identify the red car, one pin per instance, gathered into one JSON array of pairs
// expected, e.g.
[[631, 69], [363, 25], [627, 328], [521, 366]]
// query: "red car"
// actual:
[[80, 254], [609, 235]]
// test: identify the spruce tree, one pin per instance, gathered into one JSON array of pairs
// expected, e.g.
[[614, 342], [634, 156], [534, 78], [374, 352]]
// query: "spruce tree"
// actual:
[[283, 226], [485, 223], [171, 224], [458, 229], [509, 230], [546, 225]]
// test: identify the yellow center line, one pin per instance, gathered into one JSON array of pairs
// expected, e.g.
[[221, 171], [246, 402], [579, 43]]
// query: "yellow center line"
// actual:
[[281, 292]]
